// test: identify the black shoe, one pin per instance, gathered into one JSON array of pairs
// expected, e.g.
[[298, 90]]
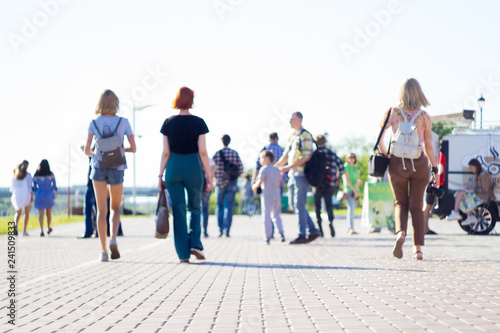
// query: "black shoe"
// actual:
[[50, 230], [332, 230], [84, 236], [430, 232], [206, 235], [299, 240], [313, 237], [221, 234], [15, 230]]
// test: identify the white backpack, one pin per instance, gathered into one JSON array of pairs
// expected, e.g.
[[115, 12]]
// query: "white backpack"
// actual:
[[406, 143]]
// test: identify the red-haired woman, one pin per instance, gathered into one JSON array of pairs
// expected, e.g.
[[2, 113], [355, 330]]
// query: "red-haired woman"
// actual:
[[184, 159]]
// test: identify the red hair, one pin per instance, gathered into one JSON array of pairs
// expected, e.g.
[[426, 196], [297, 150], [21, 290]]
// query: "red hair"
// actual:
[[184, 99]]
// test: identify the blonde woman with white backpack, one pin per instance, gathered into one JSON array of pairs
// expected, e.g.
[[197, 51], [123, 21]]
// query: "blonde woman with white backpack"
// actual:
[[410, 153]]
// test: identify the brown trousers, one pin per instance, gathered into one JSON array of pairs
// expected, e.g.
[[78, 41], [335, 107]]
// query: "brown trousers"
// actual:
[[408, 188]]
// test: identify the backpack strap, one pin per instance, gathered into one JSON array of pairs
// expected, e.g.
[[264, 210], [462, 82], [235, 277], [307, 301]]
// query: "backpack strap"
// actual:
[[382, 131], [300, 138], [97, 128], [116, 128], [402, 112]]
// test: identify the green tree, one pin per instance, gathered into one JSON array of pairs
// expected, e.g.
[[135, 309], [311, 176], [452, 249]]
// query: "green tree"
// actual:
[[443, 128]]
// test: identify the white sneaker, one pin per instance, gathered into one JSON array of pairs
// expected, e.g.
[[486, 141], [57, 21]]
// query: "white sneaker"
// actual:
[[471, 220], [25, 233], [104, 256], [454, 215], [114, 249]]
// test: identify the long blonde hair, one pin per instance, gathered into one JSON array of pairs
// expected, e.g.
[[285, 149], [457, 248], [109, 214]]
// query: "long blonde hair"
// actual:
[[411, 96]]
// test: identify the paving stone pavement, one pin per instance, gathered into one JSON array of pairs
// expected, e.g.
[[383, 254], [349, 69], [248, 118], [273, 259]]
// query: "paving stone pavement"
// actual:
[[348, 283]]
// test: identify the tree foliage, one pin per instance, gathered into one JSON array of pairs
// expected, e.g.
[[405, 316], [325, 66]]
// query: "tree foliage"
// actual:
[[443, 128]]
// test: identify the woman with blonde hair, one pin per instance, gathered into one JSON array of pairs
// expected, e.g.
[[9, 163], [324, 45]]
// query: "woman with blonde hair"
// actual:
[[103, 176], [22, 194], [409, 176]]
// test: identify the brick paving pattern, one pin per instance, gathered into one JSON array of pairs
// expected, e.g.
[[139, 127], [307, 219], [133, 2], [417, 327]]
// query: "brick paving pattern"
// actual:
[[348, 283]]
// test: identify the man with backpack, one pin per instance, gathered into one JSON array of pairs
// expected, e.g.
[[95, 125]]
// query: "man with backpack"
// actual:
[[228, 167], [297, 152], [324, 170]]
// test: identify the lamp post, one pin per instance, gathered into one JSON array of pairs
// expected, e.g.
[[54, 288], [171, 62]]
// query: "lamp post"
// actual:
[[480, 101], [134, 191]]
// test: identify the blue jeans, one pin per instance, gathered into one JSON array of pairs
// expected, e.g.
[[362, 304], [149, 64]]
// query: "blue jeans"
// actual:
[[184, 174], [205, 198], [225, 204], [351, 207], [89, 206], [305, 221]]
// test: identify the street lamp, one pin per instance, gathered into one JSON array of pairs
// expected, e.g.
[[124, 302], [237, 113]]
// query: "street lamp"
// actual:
[[480, 101], [134, 192]]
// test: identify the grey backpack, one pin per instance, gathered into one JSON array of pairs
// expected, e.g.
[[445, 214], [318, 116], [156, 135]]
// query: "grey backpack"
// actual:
[[110, 152]]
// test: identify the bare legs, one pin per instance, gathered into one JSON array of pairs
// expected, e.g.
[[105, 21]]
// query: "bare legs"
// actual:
[[101, 194], [41, 214]]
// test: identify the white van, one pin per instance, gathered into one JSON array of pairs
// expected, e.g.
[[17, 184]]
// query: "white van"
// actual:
[[457, 149]]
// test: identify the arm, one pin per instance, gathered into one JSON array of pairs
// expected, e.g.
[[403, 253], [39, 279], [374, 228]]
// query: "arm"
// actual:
[[349, 185], [429, 151], [131, 141], [54, 185], [381, 145], [87, 150], [282, 161], [257, 184], [202, 152], [306, 150], [254, 175], [297, 163], [163, 162]]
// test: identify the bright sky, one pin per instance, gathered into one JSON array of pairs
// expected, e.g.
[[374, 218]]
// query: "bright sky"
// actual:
[[251, 63]]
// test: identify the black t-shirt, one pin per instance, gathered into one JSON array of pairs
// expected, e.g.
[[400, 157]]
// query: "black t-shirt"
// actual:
[[183, 133]]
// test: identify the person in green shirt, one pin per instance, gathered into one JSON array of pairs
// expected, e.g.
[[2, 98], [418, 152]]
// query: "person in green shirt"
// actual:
[[351, 182]]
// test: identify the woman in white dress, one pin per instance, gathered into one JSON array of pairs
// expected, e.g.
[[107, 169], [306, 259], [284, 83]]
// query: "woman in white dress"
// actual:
[[22, 194]]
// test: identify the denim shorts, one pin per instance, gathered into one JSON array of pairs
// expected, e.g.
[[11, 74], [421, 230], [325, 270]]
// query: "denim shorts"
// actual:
[[112, 176]]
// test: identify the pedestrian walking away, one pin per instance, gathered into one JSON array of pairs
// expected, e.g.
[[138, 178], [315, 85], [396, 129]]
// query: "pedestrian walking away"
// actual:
[[183, 160], [109, 130], [297, 152], [270, 178], [228, 167], [334, 170], [408, 166], [45, 189], [22, 195]]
